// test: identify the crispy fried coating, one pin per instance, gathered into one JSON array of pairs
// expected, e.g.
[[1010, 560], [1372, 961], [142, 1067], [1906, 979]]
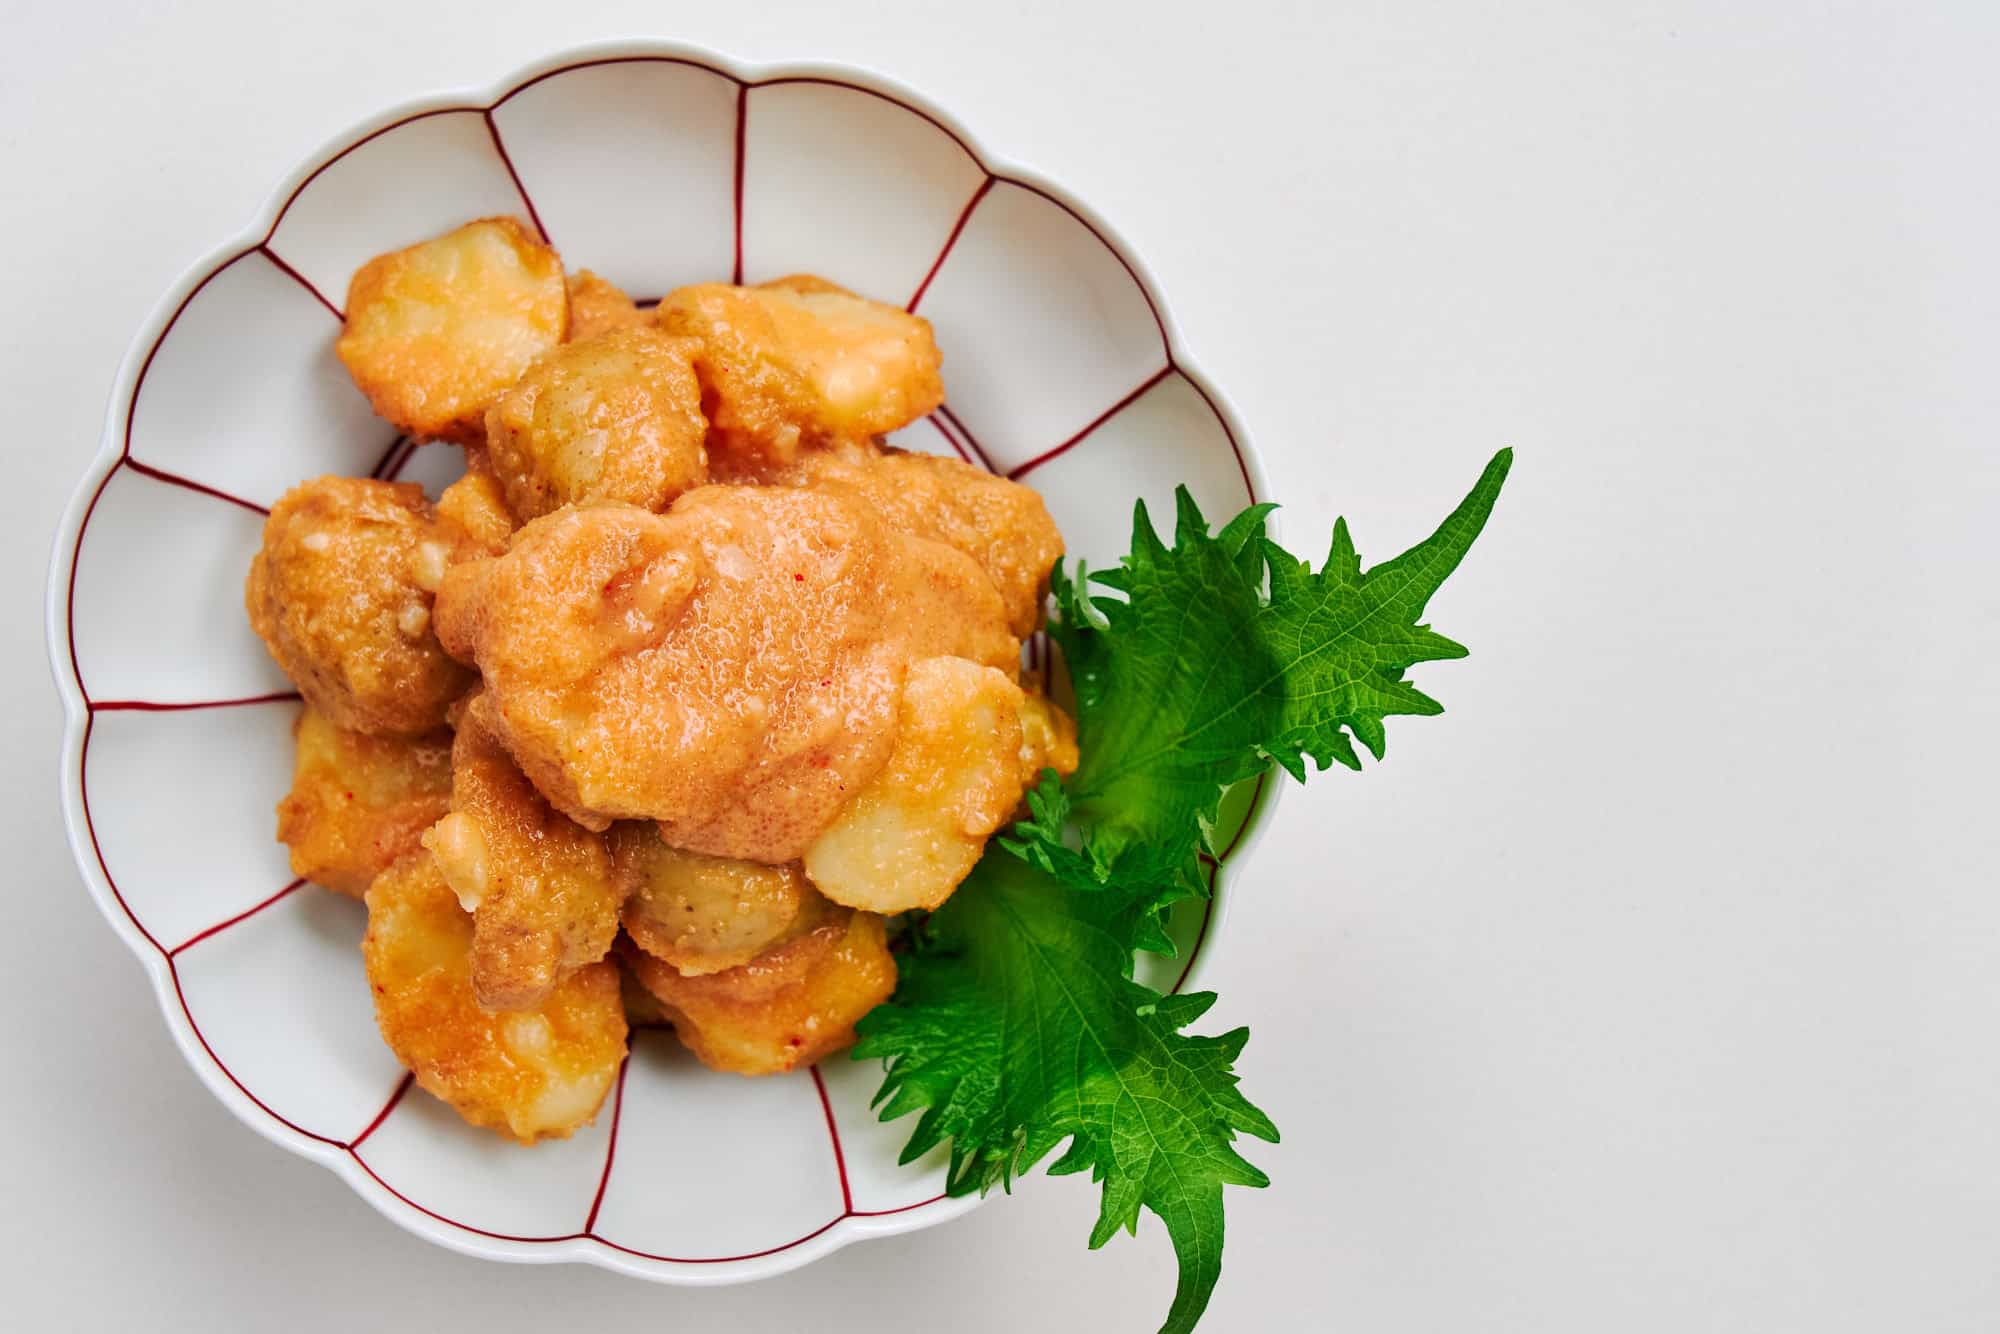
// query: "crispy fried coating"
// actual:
[[597, 306], [359, 802], [613, 417], [336, 597], [472, 520], [730, 668], [791, 1005], [531, 1074], [1000, 524], [1048, 735], [702, 914], [911, 835], [801, 362], [436, 331], [540, 888]]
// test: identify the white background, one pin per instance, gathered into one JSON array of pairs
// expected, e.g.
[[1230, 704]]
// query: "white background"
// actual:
[[1656, 987]]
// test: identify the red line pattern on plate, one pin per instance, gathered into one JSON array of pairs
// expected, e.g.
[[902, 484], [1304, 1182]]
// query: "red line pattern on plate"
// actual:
[[399, 453], [610, 1140], [299, 278], [262, 1106], [402, 1087], [199, 488], [527, 201], [157, 706], [382, 463], [742, 126], [1022, 470], [228, 922], [964, 216], [399, 458], [833, 1135], [971, 441], [589, 1232], [937, 424]]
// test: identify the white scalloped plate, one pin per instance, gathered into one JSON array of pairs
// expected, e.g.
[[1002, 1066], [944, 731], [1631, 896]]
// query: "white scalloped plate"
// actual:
[[656, 165]]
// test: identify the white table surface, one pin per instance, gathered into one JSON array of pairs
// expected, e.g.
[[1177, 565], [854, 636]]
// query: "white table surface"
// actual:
[[1654, 988]]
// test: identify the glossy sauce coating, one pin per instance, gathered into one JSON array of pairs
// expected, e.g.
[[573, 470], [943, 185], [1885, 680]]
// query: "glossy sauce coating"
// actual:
[[1002, 525], [730, 669]]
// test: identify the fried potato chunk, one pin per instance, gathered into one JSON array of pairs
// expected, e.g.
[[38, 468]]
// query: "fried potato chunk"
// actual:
[[730, 668], [612, 417], [912, 834], [596, 306], [472, 520], [540, 888], [359, 802], [336, 597], [436, 331], [801, 362], [791, 1005], [1002, 525], [702, 914], [1048, 736], [531, 1074]]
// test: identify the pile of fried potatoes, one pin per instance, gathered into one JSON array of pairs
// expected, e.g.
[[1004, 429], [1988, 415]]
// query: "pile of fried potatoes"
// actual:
[[659, 712]]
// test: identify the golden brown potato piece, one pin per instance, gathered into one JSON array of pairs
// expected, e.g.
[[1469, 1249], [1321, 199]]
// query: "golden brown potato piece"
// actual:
[[791, 1005], [613, 417], [730, 668], [472, 520], [1048, 736], [532, 1074], [436, 331], [596, 306], [540, 888], [911, 835], [359, 802], [1000, 524], [334, 593], [702, 914], [802, 363]]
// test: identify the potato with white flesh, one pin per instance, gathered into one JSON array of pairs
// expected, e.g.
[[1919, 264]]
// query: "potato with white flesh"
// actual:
[[537, 1073], [435, 332], [614, 417], [337, 594], [788, 1007], [596, 306], [702, 914], [799, 362], [359, 802], [960, 763], [541, 889]]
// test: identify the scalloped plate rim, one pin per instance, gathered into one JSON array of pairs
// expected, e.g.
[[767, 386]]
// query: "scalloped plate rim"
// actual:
[[843, 1230]]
